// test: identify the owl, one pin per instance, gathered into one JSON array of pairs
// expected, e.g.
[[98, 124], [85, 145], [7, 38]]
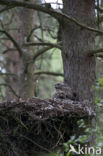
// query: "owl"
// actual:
[[63, 91]]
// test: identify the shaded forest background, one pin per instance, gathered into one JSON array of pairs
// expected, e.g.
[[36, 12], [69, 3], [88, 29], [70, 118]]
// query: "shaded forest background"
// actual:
[[48, 65]]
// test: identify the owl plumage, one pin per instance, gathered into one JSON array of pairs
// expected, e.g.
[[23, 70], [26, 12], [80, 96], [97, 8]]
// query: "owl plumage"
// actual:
[[63, 91]]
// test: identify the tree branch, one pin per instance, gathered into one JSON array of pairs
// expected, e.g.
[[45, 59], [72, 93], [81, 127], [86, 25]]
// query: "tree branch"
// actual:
[[93, 52], [13, 41], [12, 90], [8, 74], [7, 50], [31, 32], [49, 73], [101, 19], [99, 55], [6, 8], [99, 9], [44, 44], [58, 15], [42, 51]]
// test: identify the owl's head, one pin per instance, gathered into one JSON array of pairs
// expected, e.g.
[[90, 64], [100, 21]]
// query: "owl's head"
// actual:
[[60, 85]]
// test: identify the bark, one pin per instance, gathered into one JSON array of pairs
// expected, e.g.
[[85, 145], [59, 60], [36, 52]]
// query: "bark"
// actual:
[[12, 66], [79, 68], [26, 22], [23, 65]]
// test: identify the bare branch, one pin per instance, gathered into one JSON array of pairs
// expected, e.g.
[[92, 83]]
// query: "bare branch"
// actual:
[[13, 41], [99, 55], [8, 74], [12, 90], [7, 50], [6, 8], [31, 32], [101, 19], [33, 142], [11, 74], [49, 73], [38, 27], [41, 51], [58, 15], [99, 9], [43, 44], [93, 52]]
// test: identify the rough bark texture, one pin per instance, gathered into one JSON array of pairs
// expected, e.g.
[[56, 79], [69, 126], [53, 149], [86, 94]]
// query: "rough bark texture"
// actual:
[[12, 66], [22, 66], [79, 68], [26, 22]]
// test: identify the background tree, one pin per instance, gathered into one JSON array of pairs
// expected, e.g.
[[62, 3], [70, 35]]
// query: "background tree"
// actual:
[[40, 32], [36, 36]]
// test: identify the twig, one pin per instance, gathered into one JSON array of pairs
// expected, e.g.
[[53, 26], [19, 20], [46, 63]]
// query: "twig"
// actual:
[[31, 32], [32, 141]]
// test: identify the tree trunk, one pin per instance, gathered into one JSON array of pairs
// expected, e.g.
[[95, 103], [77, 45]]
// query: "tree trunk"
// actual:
[[79, 67], [12, 66], [23, 66], [26, 22]]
